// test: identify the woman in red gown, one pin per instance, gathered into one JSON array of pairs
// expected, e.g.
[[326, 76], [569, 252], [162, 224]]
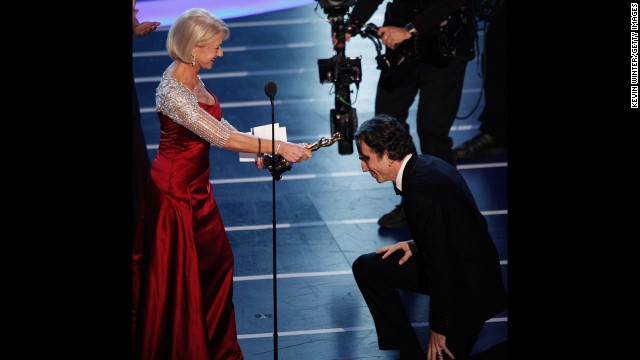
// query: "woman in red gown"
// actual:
[[182, 259]]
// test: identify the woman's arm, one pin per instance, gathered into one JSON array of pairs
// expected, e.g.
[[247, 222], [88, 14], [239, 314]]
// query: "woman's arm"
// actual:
[[178, 103]]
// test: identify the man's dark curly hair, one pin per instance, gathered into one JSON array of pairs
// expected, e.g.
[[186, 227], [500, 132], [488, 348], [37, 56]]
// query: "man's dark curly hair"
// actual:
[[384, 133]]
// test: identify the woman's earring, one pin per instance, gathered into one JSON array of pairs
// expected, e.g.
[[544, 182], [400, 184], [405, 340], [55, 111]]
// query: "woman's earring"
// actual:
[[193, 60]]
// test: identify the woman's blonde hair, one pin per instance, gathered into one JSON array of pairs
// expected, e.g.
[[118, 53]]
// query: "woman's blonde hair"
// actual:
[[193, 27]]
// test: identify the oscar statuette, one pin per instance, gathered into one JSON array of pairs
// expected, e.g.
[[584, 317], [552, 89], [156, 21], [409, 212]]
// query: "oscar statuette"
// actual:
[[280, 165]]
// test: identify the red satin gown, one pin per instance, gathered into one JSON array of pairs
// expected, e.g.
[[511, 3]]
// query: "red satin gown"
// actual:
[[182, 259]]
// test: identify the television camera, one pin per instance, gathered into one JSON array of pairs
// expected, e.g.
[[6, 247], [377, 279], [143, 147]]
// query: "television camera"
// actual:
[[342, 71]]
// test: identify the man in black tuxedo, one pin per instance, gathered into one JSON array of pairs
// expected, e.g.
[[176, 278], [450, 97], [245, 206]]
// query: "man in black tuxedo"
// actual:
[[451, 258]]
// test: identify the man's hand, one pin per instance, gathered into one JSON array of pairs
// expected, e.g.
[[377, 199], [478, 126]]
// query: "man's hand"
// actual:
[[407, 246], [334, 40], [437, 346], [392, 36]]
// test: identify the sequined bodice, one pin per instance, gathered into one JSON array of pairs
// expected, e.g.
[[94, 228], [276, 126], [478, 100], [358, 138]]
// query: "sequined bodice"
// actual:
[[179, 104]]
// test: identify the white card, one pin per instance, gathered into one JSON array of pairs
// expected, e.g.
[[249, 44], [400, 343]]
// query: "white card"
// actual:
[[264, 132]]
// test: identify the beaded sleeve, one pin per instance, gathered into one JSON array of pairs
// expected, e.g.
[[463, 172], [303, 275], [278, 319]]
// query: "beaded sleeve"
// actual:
[[177, 102]]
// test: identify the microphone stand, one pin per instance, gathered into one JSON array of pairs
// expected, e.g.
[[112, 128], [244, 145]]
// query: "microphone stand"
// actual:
[[270, 90]]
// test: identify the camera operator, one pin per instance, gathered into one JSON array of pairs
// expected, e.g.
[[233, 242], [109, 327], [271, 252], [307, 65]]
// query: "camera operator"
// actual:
[[439, 87]]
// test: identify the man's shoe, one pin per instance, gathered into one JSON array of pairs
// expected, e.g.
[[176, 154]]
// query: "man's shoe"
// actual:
[[395, 219], [479, 145]]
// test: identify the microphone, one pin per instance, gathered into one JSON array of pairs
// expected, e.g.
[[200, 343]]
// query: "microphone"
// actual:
[[270, 89]]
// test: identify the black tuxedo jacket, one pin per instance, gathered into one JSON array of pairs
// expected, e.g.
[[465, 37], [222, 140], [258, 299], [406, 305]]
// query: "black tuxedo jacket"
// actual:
[[464, 277]]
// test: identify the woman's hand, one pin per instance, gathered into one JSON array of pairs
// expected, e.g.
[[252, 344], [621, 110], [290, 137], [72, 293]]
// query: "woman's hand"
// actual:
[[293, 152], [145, 28]]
